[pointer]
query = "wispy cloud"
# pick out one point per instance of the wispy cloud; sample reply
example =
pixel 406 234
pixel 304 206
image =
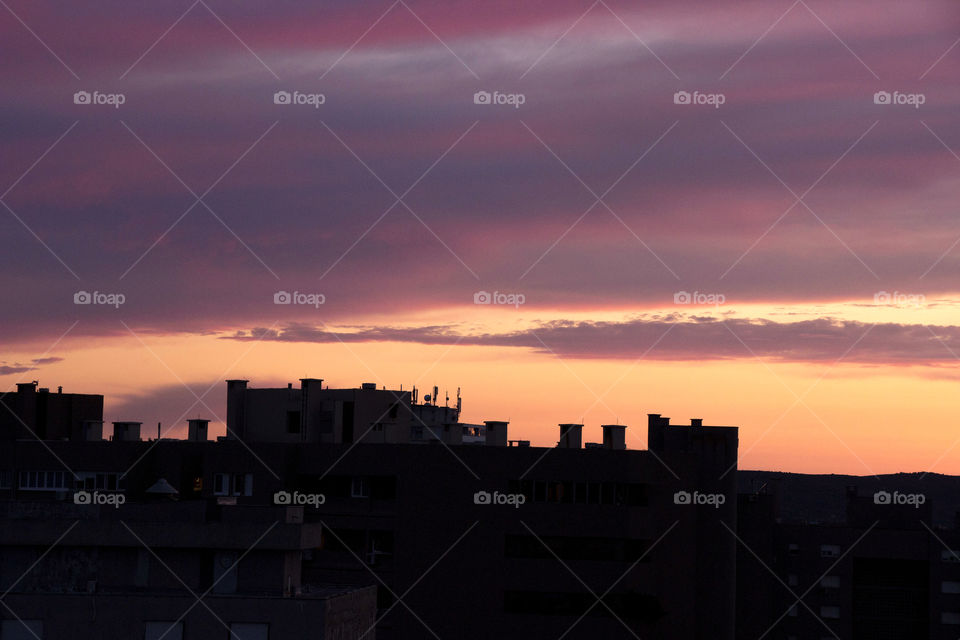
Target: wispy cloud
pixel 690 338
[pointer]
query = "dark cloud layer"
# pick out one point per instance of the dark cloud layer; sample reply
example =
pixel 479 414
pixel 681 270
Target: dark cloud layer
pixel 497 200
pixel 678 338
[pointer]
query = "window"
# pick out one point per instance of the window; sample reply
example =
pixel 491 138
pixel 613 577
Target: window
pixel 358 488
pixel 166 629
pixel 829 550
pixel 21 629
pixel 106 481
pixel 249 631
pixel 793 549
pixel 4 478
pixel 830 582
pixel 792 611
pixel 97 481
pixel 946 555
pixel 225 572
pixel 293 422
pixel 830 613
pixel 950 617
pixel 792 580
pixel 43 480
pixel 236 484
pixel 948 586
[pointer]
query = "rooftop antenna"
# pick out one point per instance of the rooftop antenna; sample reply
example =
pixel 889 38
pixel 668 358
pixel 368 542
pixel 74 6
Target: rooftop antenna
pixel 458 400
pixel 447 403
pixel 435 395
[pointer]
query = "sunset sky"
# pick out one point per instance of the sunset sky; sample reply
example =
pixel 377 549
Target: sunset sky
pixel 783 256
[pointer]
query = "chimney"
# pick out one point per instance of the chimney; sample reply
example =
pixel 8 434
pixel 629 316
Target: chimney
pixel 126 431
pixel 496 433
pixel 59 389
pixel 614 436
pixel 368 386
pixel 571 436
pixel 656 427
pixel 236 391
pixel 696 422
pixel 91 430
pixel 197 430
pixel 26 387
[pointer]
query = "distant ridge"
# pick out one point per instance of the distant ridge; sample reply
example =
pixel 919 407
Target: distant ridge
pixel 822 497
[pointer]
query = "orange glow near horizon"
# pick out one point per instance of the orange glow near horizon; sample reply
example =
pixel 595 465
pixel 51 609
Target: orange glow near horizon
pixel 855 420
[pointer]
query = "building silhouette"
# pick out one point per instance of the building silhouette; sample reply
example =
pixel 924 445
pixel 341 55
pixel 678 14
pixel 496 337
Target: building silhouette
pixel 423 525
pixel 882 569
